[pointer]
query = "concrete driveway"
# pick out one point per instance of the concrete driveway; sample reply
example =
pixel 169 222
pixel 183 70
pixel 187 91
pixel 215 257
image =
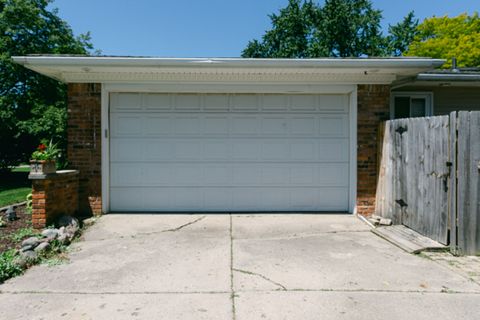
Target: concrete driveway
pixel 238 267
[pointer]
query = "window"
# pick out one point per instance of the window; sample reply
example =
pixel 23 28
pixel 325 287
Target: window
pixel 411 105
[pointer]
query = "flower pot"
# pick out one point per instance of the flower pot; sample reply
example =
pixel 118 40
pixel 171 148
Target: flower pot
pixel 42 166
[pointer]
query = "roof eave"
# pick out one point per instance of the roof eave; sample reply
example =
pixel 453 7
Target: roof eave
pixel 127 69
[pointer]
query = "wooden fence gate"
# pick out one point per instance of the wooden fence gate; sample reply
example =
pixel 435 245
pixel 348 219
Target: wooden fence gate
pixel 429 177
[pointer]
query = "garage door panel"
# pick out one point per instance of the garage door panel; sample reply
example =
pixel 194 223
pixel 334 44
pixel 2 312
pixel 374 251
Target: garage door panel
pixel 245 150
pixel 275 150
pixel 126 125
pixel 333 150
pixel 275 175
pixel 274 126
pixel 333 126
pixel 303 126
pixel 335 199
pixel 216 150
pixel 275 102
pixel 243 102
pixel 244 125
pixel 229 152
pixel 333 174
pixel 187 102
pixel 157 150
pixel 333 103
pixel 216 125
pixel 126 150
pixel 157 126
pixel 187 125
pixel 126 101
pixel 217 102
pixel 158 102
pixel 303 102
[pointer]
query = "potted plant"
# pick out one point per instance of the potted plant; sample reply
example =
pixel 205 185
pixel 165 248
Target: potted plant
pixel 43 159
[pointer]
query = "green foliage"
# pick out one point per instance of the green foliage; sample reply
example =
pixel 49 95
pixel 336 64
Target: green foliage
pixel 348 28
pixel 28 206
pixel 339 28
pixel 293 26
pixel 46 151
pixel 32 107
pixel 8 267
pixel 14 195
pixel 445 37
pixel 2 222
pixel 402 35
pixel 23 233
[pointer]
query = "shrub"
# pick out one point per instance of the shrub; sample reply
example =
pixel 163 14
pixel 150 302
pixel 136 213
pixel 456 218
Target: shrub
pixel 8 268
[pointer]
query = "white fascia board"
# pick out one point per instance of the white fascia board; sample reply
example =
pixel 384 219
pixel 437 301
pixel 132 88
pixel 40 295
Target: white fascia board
pixel 128 69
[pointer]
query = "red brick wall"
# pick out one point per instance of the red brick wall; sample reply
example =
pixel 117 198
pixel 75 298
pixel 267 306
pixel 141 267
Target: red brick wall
pixel 84 143
pixel 373 108
pixel 52 196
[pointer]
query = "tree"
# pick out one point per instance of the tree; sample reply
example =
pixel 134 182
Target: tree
pixel 347 28
pixel 293 27
pixel 32 107
pixel 445 37
pixel 401 35
pixel 339 28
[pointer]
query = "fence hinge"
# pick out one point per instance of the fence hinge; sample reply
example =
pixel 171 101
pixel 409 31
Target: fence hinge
pixel 106 133
pixel 401 203
pixel 401 130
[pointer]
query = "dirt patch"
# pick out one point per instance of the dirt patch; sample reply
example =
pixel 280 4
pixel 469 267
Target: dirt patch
pixel 24 220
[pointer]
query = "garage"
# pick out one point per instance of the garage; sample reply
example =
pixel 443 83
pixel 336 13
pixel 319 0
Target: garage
pixel 150 134
pixel 229 152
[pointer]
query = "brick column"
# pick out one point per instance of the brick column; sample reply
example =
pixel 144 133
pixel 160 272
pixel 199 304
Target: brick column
pixel 373 108
pixel 53 195
pixel 84 152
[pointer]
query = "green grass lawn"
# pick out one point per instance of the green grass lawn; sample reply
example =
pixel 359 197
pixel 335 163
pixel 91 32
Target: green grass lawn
pixel 14 186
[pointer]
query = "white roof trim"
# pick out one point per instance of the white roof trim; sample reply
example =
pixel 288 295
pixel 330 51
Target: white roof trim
pixel 134 69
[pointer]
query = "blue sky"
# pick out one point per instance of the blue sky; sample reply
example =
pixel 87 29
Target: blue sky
pixel 204 28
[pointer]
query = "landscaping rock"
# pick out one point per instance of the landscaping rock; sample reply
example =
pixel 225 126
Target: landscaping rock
pixel 64 221
pixel 63 239
pixel 89 221
pixel 27 248
pixel 42 247
pixel 21 261
pixel 50 233
pixel 29 255
pixel 32 241
pixel 71 231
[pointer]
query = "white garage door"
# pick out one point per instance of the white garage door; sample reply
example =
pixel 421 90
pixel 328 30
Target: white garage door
pixel 229 152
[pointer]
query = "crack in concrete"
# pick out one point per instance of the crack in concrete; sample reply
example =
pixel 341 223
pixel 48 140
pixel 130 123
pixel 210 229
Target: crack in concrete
pixel 302 236
pixel 172 229
pixel 441 292
pixel 232 291
pixel 185 225
pixel 113 292
pixel 283 288
pixel 116 236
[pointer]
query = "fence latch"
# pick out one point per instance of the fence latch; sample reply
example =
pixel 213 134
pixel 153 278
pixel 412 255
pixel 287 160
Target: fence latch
pixel 446 176
pixel 401 130
pixel 401 203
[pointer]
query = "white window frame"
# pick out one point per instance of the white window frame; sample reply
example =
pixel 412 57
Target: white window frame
pixel 428 96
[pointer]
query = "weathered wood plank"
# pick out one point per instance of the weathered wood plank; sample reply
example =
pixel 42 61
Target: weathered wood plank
pixel 452 188
pixel 468 215
pixel 413 169
pixel 425 153
pixel 407 239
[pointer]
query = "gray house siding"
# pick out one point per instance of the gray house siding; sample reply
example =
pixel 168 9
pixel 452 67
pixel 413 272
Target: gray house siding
pixel 447 99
